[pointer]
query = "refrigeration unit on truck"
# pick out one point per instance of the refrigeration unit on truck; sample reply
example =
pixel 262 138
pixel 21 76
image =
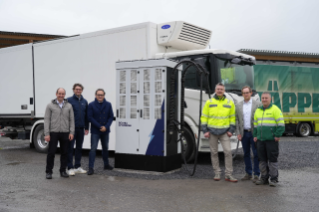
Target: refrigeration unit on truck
pixel 30 74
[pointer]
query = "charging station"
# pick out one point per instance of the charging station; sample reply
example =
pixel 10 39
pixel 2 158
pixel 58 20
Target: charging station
pixel 143 141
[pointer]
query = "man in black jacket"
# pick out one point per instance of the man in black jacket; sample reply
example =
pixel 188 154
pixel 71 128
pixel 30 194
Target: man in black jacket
pixel 80 107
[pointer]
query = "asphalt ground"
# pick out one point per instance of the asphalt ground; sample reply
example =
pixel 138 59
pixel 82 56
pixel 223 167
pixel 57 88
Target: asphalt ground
pixel 23 186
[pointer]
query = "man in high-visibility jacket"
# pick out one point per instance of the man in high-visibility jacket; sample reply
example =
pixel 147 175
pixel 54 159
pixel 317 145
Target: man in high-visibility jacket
pixel 219 122
pixel 269 125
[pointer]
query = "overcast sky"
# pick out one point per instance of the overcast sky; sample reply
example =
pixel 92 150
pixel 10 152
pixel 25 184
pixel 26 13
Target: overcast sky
pixel 289 25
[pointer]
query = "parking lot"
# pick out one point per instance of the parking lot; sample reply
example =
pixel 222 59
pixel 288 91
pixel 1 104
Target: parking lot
pixel 23 186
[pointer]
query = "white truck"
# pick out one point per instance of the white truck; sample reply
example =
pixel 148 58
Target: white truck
pixel 31 73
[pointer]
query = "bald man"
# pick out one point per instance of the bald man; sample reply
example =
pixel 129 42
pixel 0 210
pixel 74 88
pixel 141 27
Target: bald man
pixel 58 126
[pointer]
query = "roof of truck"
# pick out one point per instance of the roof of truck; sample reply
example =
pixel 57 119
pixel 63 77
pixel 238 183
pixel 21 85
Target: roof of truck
pixel 275 55
pixel 205 51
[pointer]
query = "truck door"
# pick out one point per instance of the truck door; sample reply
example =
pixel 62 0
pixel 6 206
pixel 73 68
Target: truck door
pixel 16 82
pixel 127 111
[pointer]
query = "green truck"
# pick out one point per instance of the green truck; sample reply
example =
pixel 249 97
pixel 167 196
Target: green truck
pixel 295 90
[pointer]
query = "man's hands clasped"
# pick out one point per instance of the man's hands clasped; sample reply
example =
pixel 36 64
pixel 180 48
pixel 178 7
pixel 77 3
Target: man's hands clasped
pixel 207 134
pixel 103 129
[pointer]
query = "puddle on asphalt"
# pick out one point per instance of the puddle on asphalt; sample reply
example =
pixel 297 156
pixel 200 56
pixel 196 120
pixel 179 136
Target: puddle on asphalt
pixel 14 163
pixel 110 178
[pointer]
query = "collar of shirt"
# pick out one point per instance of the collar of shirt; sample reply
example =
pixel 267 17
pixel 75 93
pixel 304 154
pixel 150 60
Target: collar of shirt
pixel 60 104
pixel 249 102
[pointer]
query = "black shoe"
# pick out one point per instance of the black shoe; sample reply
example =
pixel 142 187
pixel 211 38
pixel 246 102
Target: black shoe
pixel 91 171
pixel 64 174
pixel 49 176
pixel 108 167
pixel 262 181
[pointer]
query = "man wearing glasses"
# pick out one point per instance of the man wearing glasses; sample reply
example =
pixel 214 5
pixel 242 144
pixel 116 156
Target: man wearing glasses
pixel 100 114
pixel 245 111
pixel 80 107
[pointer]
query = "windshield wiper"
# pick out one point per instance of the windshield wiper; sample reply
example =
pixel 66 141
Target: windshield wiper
pixel 231 90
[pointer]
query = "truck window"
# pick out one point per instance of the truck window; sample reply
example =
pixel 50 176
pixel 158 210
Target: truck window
pixel 234 76
pixel 192 78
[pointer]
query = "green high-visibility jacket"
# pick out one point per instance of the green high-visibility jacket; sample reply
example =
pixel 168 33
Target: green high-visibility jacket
pixel 268 123
pixel 218 116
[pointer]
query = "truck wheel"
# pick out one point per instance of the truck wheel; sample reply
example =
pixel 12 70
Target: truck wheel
pixel 189 146
pixel 38 140
pixel 304 130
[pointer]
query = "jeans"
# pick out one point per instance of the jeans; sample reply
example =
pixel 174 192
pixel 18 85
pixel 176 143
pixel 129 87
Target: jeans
pixel 63 138
pixel 247 143
pixel 78 140
pixel 105 148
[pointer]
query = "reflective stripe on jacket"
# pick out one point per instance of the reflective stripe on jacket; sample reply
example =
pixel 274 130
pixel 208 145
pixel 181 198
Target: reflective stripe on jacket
pixel 268 123
pixel 218 116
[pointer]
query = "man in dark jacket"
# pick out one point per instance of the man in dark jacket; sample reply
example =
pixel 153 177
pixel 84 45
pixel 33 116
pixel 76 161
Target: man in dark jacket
pixel 100 114
pixel 80 107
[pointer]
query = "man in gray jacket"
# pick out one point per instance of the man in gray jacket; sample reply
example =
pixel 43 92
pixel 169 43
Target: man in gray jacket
pixel 58 126
pixel 245 111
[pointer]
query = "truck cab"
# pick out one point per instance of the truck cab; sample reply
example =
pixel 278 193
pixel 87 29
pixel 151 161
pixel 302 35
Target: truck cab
pixel 233 69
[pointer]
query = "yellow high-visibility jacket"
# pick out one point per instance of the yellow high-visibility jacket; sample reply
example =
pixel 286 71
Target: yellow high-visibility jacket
pixel 218 116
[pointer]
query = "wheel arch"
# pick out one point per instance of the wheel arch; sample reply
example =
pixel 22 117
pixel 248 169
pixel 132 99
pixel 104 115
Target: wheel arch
pixel 37 123
pixel 190 124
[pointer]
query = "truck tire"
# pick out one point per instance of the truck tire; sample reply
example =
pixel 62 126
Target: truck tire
pixel 189 145
pixel 38 139
pixel 304 129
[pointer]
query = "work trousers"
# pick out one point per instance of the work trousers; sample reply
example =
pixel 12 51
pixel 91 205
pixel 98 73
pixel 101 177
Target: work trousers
pixel 63 138
pixel 78 140
pixel 225 142
pixel 268 152
pixel 105 148
pixel 248 143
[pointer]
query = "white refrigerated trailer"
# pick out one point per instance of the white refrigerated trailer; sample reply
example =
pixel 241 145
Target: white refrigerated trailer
pixel 31 73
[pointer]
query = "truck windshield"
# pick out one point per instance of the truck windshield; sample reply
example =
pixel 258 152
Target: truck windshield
pixel 234 76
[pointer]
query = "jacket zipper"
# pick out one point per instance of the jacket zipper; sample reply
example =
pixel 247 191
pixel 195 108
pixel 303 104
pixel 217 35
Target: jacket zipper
pixel 261 128
pixel 60 116
pixel 80 110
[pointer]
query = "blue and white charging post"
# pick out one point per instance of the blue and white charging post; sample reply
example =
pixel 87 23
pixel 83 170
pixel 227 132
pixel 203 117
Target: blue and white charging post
pixel 143 141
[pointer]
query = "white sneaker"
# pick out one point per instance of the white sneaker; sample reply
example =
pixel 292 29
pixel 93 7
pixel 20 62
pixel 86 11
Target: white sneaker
pixel 79 170
pixel 71 172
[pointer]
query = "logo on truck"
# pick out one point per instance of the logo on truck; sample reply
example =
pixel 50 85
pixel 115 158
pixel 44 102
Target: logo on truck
pixel 294 89
pixel 124 124
pixel 287 101
pixel 166 26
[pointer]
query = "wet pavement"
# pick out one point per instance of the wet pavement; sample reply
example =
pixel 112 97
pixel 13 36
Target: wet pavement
pixel 23 186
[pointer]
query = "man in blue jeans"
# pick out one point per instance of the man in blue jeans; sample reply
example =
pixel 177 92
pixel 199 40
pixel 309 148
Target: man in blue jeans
pixel 100 114
pixel 80 107
pixel 245 111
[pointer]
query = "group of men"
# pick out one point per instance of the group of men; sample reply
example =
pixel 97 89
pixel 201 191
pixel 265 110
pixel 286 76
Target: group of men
pixel 258 126
pixel 67 121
